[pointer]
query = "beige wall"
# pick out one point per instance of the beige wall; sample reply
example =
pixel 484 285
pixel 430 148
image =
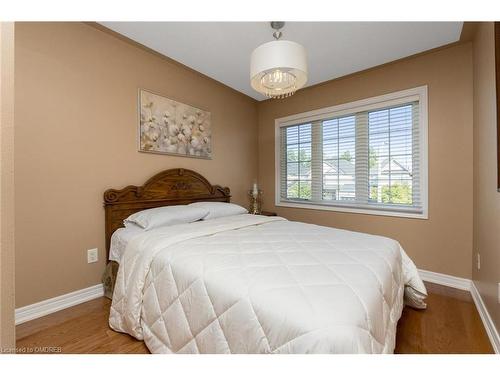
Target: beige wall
pixel 443 243
pixel 7 329
pixel 76 102
pixel 486 196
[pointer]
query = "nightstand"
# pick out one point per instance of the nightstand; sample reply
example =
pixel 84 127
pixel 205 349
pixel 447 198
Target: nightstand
pixel 268 213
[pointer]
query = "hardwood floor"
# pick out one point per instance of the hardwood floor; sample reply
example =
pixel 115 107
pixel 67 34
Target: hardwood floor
pixel 80 329
pixel 451 324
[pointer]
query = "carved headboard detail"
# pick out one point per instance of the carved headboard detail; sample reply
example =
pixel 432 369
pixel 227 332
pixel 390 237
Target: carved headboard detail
pixel 167 188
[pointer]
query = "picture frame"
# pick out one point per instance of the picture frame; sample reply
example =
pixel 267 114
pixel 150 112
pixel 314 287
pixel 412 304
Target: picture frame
pixel 169 127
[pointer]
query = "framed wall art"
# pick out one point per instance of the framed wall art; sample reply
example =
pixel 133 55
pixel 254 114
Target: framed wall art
pixel 173 128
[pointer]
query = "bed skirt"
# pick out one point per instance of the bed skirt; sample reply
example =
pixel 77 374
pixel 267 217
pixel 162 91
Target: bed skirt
pixel 109 278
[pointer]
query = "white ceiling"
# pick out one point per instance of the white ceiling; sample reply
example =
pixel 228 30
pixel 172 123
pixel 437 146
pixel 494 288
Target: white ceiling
pixel 221 50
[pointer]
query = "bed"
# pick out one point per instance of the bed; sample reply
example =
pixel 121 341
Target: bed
pixel 250 283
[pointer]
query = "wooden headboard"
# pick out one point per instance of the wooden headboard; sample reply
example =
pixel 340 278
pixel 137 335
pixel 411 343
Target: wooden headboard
pixel 167 188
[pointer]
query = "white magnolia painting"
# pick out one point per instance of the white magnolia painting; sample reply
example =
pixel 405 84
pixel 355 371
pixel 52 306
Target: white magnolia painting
pixel 170 127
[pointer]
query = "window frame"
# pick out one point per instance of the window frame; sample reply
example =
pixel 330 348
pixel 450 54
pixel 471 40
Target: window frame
pixel 378 102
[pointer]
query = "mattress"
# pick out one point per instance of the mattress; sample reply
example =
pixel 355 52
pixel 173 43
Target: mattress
pixel 254 284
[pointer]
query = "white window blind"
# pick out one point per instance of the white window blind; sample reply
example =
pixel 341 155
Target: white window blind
pixel 368 156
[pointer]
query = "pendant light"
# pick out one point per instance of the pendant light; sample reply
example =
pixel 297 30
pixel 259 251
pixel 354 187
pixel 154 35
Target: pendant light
pixel 278 68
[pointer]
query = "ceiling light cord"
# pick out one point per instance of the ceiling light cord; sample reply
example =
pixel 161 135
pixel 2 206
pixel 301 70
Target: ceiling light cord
pixel 277 25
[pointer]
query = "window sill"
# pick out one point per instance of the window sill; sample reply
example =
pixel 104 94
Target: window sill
pixel 354 210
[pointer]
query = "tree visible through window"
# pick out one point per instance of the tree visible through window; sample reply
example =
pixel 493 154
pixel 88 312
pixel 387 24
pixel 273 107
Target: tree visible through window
pixel 391 160
pixel 339 162
pixel 367 158
pixel 298 143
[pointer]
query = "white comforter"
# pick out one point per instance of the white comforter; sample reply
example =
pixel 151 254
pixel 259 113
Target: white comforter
pixel 254 284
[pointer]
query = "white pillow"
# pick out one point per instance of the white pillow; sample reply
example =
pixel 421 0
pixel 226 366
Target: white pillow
pixel 164 216
pixel 219 209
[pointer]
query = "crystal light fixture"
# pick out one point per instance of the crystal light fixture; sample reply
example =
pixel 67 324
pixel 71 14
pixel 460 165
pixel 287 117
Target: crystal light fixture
pixel 278 68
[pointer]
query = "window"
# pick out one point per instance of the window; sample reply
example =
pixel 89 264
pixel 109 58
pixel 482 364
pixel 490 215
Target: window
pixel 369 156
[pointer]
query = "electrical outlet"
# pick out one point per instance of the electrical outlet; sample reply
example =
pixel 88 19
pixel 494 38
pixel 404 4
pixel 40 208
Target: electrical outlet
pixel 478 258
pixel 92 256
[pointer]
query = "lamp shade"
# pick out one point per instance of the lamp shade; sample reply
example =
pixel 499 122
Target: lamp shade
pixel 278 68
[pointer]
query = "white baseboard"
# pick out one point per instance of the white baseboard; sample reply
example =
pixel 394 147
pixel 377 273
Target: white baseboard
pixel 446 280
pixel 486 318
pixel 49 306
pixel 466 284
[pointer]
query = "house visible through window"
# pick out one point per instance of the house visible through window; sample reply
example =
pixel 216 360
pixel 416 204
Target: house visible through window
pixel 368 156
pixel 339 159
pixel 390 155
pixel 298 144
